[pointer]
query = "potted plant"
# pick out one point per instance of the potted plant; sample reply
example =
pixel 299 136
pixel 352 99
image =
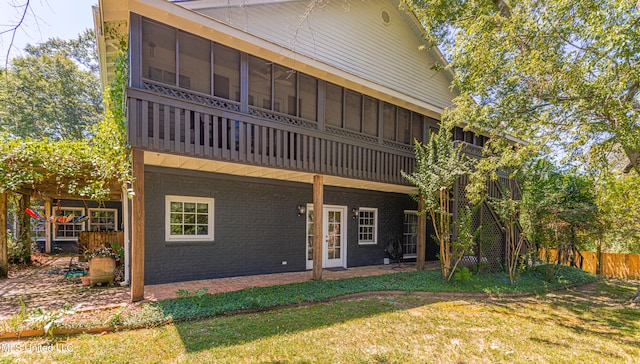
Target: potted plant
pixel 102 264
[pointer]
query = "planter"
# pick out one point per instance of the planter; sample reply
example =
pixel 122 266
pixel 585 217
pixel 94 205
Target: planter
pixel 102 270
pixel 86 281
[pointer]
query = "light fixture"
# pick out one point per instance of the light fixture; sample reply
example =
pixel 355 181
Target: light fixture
pixel 355 213
pixel 301 210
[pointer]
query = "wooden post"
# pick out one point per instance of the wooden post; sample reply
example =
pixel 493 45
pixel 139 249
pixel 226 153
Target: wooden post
pixel 421 249
pixel 318 235
pixel 4 256
pixel 47 226
pixel 24 222
pixel 137 231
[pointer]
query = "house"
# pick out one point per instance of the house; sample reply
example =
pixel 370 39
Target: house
pixel 269 135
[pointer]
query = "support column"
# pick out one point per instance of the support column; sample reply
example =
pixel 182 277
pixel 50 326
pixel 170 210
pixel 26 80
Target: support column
pixel 421 250
pixel 137 231
pixel 47 226
pixel 4 256
pixel 318 236
pixel 24 227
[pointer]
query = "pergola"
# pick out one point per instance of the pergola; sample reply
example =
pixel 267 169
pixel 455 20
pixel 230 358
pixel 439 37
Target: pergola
pixel 47 190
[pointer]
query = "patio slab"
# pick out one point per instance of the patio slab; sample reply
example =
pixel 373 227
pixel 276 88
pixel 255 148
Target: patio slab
pixel 45 286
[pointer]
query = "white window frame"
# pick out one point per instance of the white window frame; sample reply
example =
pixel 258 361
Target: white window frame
pixel 189 238
pixel 375 226
pixel 77 212
pixel 91 223
pixel 405 234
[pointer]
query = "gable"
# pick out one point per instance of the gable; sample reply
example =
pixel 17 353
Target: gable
pixel 372 40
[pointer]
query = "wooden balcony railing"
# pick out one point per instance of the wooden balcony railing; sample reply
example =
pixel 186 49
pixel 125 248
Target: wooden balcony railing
pixel 171 125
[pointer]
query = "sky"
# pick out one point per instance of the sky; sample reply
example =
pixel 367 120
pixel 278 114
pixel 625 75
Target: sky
pixel 46 19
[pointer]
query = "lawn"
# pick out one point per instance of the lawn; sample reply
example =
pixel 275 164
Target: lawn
pixel 589 323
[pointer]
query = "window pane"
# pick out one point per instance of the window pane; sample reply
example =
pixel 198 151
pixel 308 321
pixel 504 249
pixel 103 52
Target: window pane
pixel 203 208
pixel 389 120
pixel 353 110
pixel 195 63
pixel 189 207
pixel 176 207
pixel 176 218
pixel 176 229
pixel 370 116
pixel 259 82
pixel 203 219
pixel 189 218
pixel 189 230
pixel 416 127
pixel 158 52
pixel 308 97
pixel 404 125
pixel 285 91
pixel 333 105
pixel 226 72
pixel 203 230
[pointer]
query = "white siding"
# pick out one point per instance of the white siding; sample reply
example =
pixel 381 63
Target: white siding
pixel 352 37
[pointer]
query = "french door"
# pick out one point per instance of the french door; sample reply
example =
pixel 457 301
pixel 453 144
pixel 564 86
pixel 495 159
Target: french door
pixel 334 242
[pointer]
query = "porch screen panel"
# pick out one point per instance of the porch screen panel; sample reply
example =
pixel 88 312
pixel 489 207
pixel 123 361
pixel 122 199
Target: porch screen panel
pixel 389 121
pixel 353 110
pixel 259 82
pixel 285 91
pixel 195 63
pixel 416 127
pixel 158 52
pixel 404 126
pixel 308 97
pixel 226 72
pixel 333 105
pixel 370 118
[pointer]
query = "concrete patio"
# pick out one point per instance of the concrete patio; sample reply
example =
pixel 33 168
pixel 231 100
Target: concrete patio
pixel 45 285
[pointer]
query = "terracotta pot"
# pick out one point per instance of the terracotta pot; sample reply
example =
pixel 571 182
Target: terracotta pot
pixel 86 281
pixel 102 270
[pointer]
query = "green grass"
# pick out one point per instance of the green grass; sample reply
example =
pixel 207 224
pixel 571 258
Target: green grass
pixel 206 305
pixel 532 281
pixel 585 324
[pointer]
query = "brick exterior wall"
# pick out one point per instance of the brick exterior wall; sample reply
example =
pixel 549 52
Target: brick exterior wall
pixel 256 225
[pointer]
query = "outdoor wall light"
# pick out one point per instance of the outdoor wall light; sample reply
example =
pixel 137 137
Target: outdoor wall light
pixel 301 210
pixel 355 213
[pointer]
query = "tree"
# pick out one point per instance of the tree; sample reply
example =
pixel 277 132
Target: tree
pixel 81 49
pixel 438 165
pixel 559 72
pixel 48 96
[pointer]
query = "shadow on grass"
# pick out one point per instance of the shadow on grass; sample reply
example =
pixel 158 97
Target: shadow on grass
pixel 242 329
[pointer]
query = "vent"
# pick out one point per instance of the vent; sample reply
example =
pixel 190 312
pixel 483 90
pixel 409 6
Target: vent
pixel 385 17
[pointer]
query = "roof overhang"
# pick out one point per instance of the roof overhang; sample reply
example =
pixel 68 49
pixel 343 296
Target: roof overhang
pixel 244 170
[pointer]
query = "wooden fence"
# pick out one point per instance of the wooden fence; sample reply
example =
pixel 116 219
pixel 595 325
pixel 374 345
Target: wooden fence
pixel 611 264
pixel 90 239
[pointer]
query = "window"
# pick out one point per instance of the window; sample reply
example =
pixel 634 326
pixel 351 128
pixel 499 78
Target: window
pixel 410 235
pixel 103 220
pixel 188 218
pixel 367 225
pixel 71 225
pixel 389 121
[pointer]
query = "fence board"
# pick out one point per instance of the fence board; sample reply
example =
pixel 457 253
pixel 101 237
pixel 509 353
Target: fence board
pixel 91 239
pixel 615 265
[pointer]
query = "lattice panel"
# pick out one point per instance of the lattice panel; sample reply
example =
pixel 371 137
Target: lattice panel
pixel 492 243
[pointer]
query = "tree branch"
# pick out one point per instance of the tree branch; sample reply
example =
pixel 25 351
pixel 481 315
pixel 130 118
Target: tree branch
pixel 505 10
pixel 14 30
